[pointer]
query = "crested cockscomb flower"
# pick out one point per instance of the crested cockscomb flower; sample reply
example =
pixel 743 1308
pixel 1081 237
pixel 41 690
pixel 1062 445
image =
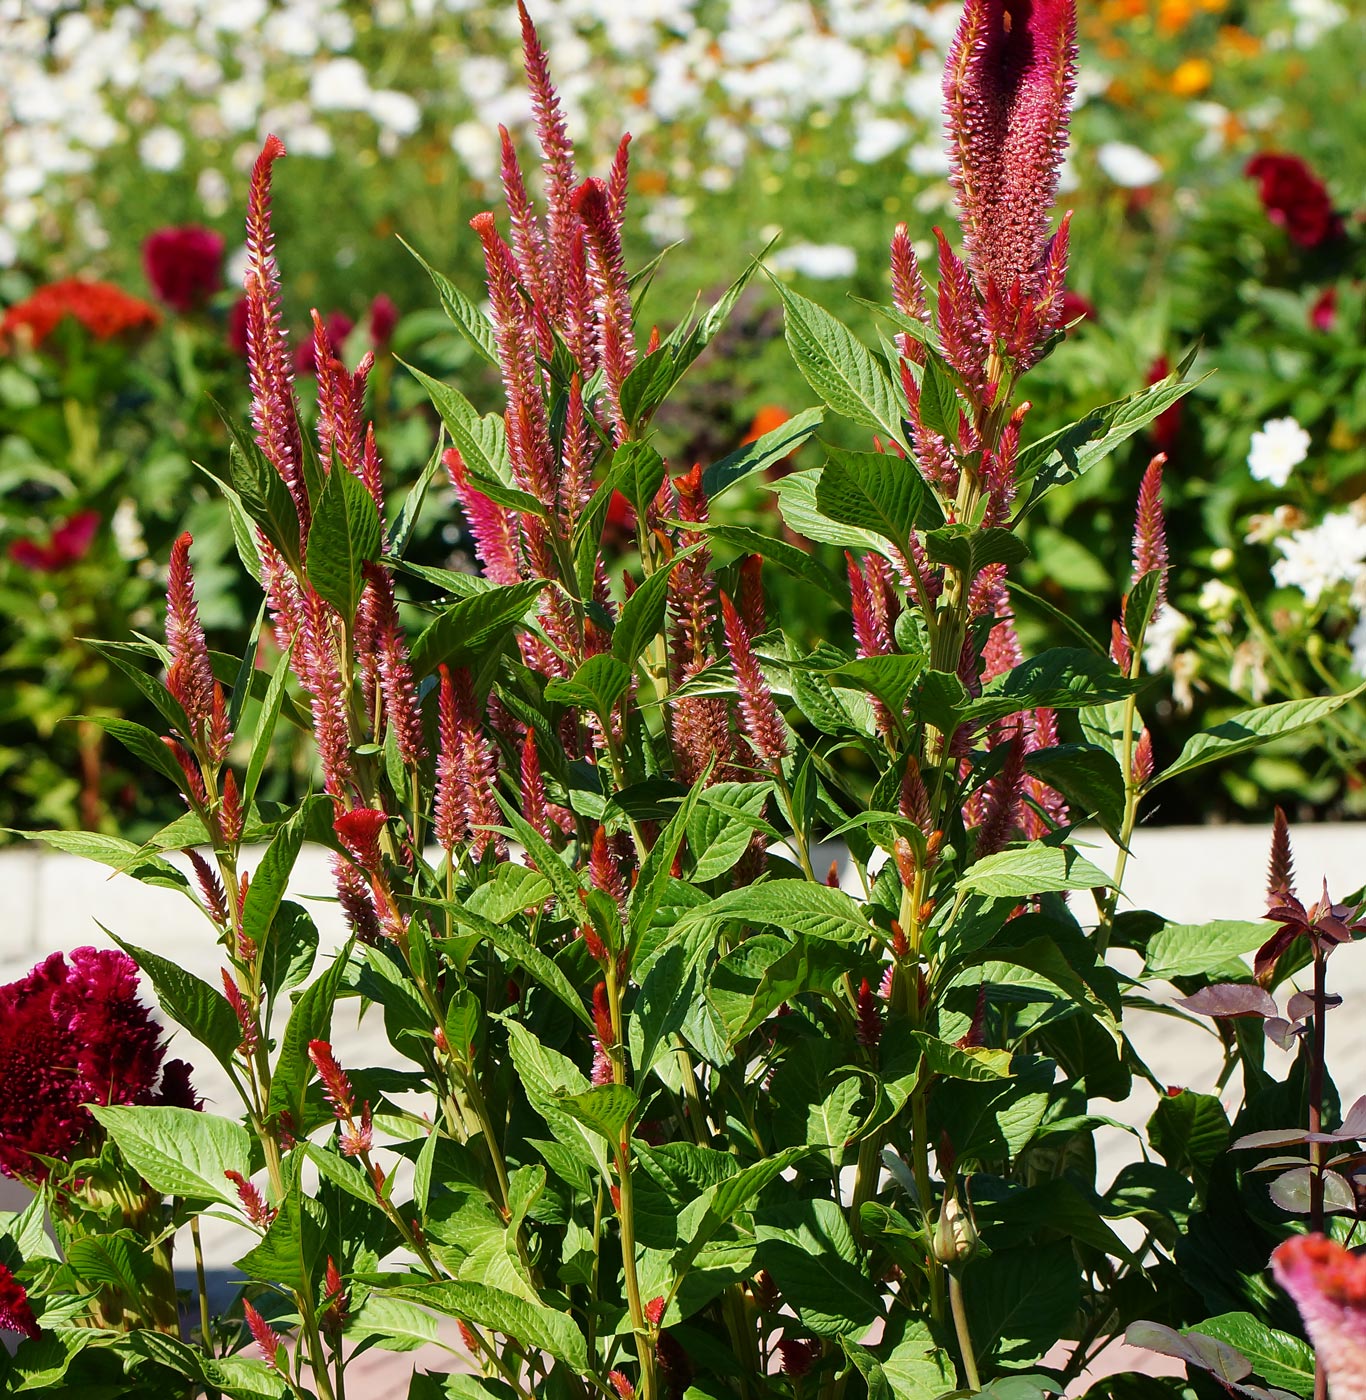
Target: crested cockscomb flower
pixel 1328 1284
pixel 184 265
pixel 869 1028
pixel 1295 198
pixel 268 1341
pixel 359 832
pixel 1150 531
pixel 1008 86
pixel 72 1034
pixel 763 724
pixel 66 545
pixel 1280 874
pixel 797 1355
pixel 16 1312
pixel 103 309
pixel 273 409
pixel 253 1202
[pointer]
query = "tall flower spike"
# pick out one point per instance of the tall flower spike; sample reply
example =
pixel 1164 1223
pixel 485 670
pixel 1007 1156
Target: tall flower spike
pixel 763 724
pixel 1150 531
pixel 528 242
pixel 395 672
pixel 535 806
pixel 449 825
pixel 1280 875
pixel 592 203
pixel 269 365
pixel 268 1341
pixel 1007 94
pixel 190 675
pixel 1328 1284
pixel 908 292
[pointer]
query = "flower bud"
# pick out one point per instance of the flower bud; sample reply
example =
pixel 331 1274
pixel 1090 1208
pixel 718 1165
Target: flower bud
pixel 955 1236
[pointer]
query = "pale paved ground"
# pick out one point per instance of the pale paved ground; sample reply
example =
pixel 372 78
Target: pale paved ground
pixel 51 902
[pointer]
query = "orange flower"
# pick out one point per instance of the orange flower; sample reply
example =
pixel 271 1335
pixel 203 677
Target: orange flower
pixel 1192 77
pixel 1239 41
pixel 103 309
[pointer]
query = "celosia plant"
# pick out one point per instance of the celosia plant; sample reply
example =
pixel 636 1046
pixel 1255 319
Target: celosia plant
pixel 699 1113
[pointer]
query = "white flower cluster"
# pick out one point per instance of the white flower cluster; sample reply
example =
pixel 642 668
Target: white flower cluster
pixel 169 80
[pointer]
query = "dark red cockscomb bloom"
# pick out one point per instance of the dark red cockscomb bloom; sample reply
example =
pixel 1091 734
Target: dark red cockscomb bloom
pixel 184 265
pixel 237 327
pixel 16 1312
pixel 70 1035
pixel 103 309
pixel 1295 199
pixel 1166 427
pixel 1323 315
pixel 1076 307
pixel 67 543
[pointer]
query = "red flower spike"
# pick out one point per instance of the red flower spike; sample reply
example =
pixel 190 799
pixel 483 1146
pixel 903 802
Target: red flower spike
pixel 395 670
pixel 751 593
pixel 194 791
pixel 67 545
pixel 615 1192
pixel 357 1138
pixel 1008 85
pixel 611 289
pixel 528 242
pixel 190 676
pixel 535 805
pixel 869 1030
pixel 336 1301
pixel 762 722
pixel 832 876
pixel 495 528
pixel 359 832
pixel 603 869
pixel 319 668
pixel 470 1340
pixel 1328 1284
pixel 1121 651
pixel 654 1311
pixel 251 1039
pixel 211 887
pixel 602 1015
pixel 596 950
pixel 797 1355
pixel 1150 533
pixel 16 1312
pixel 335 1083
pixel 382 318
pixel 623 1387
pixel 1323 315
pixel 908 292
pixel 268 1341
pixel 358 904
pixel 253 1202
pixel 1143 757
pixel 1280 875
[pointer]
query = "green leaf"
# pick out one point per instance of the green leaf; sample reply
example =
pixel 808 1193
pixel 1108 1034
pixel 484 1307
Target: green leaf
pixel 795 905
pixel 179 1152
pixel 1278 1358
pixel 1062 678
pixel 512 890
pixel 151 688
pixel 796 494
pixel 642 615
pixel 1250 728
pixel 661 1005
pixel 960 1062
pixel 813 1258
pixel 140 742
pixel 535 1326
pixel 290 1249
pixel 1064 455
pixel 607 1109
pixel 472 324
pixel 460 634
pixel 343 538
pixel 874 491
pixel 722 826
pixel 1033 869
pixel 260 489
pixel 113 851
pixel 1088 777
pixel 1190 1132
pixel 774 446
pixel 289 953
pixel 939 406
pixel 311 1019
pixel 1189 950
pixel 916 1369
pixel 403 525
pixel 970 550
pixel 655 870
pixel 265 728
pixel 597 686
pixel 237 1377
pixel 547 1078
pixel 843 371
pixel 115 1260
pixel 481 442
pixel 271 877
pixel 1020 1301
pixel 189 1002
pixel 785 555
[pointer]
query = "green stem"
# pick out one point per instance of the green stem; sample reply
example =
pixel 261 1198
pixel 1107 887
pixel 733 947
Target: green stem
pixel 960 1326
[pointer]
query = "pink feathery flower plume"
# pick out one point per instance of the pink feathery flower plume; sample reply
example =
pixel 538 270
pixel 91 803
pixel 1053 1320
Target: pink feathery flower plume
pixel 317 665
pixel 763 724
pixel 268 1341
pixel 190 675
pixel 273 409
pixel 1150 531
pixel 1008 87
pixel 395 672
pixel 593 204
pixel 528 241
pixel 466 772
pixel 1328 1284
pixel 1280 874
pixel 494 528
pixel 908 292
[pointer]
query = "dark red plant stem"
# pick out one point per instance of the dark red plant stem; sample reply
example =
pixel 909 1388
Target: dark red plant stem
pixel 1316 1064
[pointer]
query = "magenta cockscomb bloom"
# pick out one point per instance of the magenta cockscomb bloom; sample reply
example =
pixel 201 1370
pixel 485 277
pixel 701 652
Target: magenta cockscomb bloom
pixel 1007 94
pixel 1328 1284
pixel 1295 199
pixel 67 544
pixel 184 265
pixel 16 1312
pixel 73 1034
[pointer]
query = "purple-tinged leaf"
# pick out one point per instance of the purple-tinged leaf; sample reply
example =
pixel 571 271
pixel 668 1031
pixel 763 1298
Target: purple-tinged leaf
pixel 1354 1124
pixel 1195 1349
pixel 1276 1164
pixel 1230 999
pixel 1291 1192
pixel 1301 1005
pixel 1281 1032
pixel 1274 1137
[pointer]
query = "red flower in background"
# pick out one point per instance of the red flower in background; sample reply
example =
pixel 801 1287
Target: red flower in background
pixel 16 1312
pixel 1166 426
pixel 1323 315
pixel 184 265
pixel 103 309
pixel 383 319
pixel 70 1035
pixel 1295 199
pixel 68 543
pixel 1076 307
pixel 237 327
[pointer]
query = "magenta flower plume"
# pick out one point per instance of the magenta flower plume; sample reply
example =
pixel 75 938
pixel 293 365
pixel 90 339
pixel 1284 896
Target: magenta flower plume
pixel 268 1341
pixel 528 240
pixel 1280 874
pixel 70 1035
pixel 1295 199
pixel 869 1029
pixel 190 675
pixel 1007 93
pixel 273 409
pixel 1150 531
pixel 762 722
pixel 184 265
pixel 395 671
pixel 535 806
pixel 593 204
pixel 466 772
pixel 16 1312
pixel 908 291
pixel 1328 1284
